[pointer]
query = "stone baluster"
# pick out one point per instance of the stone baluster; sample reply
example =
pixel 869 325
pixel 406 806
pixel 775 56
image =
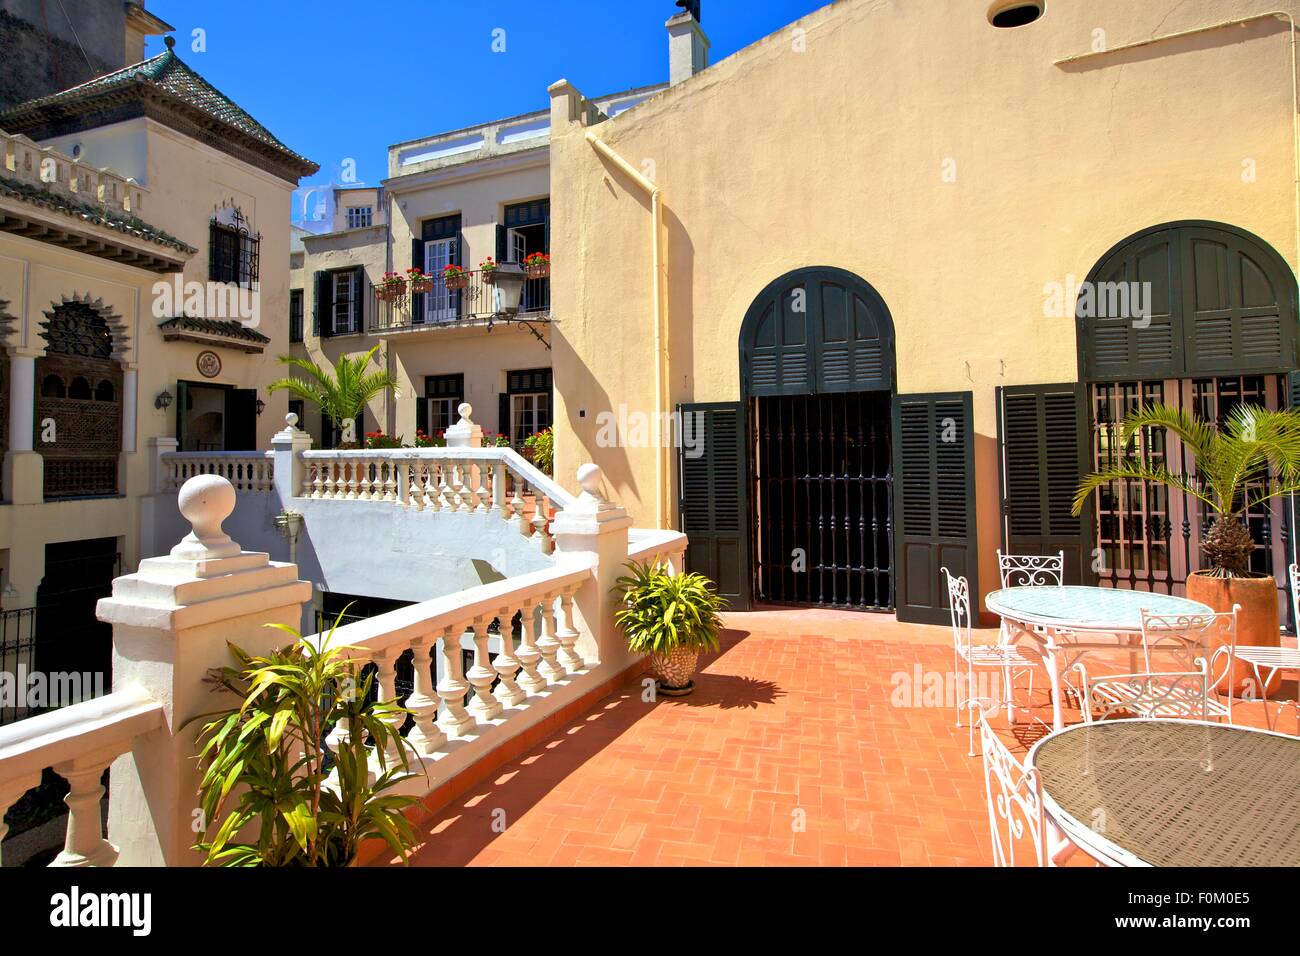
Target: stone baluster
pixel 85 844
pixel 456 489
pixel 455 720
pixel 387 467
pixel 507 664
pixel 482 496
pixel 446 496
pixel 426 737
pixel 327 466
pixel 484 706
pixel 386 666
pixel 366 489
pixel 528 655
pixel 468 497
pixel 315 486
pixel 547 644
pixel 540 522
pixel 567 635
pixel 516 515
pixel 430 490
pixel 499 489
pixel 353 466
pixel 415 494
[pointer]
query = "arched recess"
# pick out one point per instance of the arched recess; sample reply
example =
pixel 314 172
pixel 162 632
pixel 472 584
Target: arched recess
pixel 78 423
pixel 1202 316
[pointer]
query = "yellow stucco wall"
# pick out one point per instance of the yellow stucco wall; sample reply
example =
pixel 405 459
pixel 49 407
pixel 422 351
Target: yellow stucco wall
pixel 950 164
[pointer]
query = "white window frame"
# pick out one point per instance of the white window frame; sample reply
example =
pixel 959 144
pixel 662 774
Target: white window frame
pixel 519 403
pixel 440 304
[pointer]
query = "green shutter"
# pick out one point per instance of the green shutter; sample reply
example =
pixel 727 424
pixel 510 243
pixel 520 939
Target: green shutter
pixel 501 243
pixel 316 288
pixel 359 295
pixel 325 303
pixel 713 507
pixel 417 299
pixel 1043 437
pixel 934 502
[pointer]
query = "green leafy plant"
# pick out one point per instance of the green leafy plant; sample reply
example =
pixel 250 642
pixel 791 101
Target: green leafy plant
pixel 662 611
pixel 341 392
pixel 1253 458
pixel 542 447
pixel 264 761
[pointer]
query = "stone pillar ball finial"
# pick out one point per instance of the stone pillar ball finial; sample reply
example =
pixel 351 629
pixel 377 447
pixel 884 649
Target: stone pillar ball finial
pixel 465 409
pixel 589 477
pixel 206 501
pixel 291 420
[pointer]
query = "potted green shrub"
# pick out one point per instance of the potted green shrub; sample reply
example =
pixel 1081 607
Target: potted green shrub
pixel 1253 458
pixel 540 449
pixel 671 617
pixel 268 794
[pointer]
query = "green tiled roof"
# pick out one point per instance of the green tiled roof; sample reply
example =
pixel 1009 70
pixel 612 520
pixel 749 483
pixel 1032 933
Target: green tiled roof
pixel 89 212
pixel 227 328
pixel 167 75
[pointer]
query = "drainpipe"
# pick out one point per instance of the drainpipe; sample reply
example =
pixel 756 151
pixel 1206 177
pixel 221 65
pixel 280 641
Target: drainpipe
pixel 658 299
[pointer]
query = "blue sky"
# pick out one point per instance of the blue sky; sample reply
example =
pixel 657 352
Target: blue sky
pixel 340 80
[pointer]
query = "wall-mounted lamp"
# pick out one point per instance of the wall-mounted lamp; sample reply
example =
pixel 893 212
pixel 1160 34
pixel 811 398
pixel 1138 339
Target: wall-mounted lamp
pixel 163 400
pixel 260 406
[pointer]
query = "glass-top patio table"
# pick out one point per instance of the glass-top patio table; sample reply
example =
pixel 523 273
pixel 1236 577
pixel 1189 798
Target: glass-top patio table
pixel 1173 792
pixel 1073 620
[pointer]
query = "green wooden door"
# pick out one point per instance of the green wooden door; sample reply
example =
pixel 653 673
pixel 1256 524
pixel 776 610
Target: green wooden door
pixel 1043 437
pixel 934 502
pixel 714 506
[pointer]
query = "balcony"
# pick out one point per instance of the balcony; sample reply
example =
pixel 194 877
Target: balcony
pixel 441 307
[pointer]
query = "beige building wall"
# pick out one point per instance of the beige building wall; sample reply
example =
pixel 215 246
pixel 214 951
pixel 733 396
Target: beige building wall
pixel 956 167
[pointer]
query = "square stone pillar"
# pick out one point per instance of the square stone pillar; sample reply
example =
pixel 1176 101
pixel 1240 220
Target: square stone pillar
pixel 593 533
pixel 290 471
pixel 171 622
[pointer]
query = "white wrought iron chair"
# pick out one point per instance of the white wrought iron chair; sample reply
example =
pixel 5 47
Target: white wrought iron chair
pixel 1010 659
pixel 1268 662
pixel 1161 694
pixel 1015 804
pixel 1031 570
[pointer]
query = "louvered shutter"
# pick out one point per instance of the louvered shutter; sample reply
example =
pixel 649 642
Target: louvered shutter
pixel 360 293
pixel 501 243
pixel 1043 436
pixel 1116 344
pixel 316 300
pixel 325 303
pixel 417 262
pixel 713 509
pixel 1240 317
pixel 934 502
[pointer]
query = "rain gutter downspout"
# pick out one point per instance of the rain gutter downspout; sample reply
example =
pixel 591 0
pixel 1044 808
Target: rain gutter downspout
pixel 658 299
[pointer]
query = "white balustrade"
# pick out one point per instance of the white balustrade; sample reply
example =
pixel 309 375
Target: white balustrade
pixel 250 471
pixel 78 743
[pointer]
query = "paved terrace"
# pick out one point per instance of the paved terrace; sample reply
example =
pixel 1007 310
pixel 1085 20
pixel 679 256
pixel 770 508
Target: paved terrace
pixel 793 714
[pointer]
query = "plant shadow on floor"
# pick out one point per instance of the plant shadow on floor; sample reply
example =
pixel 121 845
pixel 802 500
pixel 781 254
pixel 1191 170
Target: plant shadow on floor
pixel 457 833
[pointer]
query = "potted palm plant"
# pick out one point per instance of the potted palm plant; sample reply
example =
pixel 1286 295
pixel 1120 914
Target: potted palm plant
pixel 671 617
pixel 276 791
pixel 341 392
pixel 1251 459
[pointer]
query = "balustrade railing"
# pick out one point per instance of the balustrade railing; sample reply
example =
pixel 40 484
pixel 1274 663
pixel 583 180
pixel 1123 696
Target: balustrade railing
pixel 470 702
pixel 246 470
pixel 490 480
pixel 78 743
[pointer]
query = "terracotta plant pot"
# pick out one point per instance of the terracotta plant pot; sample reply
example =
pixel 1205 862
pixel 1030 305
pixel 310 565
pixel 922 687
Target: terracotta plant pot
pixel 490 277
pixel 387 294
pixel 422 285
pixel 539 272
pixel 675 669
pixel 456 282
pixel 1257 624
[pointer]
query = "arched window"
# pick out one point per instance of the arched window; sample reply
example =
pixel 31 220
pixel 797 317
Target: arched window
pixel 52 387
pixel 234 250
pixel 104 391
pixel 75 328
pixel 79 389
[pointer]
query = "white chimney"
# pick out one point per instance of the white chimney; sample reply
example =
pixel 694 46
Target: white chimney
pixel 688 48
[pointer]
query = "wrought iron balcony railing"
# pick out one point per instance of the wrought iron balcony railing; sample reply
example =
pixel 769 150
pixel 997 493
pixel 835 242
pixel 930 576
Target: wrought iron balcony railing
pixel 476 301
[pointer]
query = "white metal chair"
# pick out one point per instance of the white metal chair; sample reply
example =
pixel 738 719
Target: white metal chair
pixel 1160 694
pixel 1015 804
pixel 1031 570
pixel 1267 662
pixel 1010 659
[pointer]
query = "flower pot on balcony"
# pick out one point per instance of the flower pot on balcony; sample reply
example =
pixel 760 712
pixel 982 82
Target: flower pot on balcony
pixel 453 283
pixel 1257 623
pixel 389 294
pixel 674 670
pixel 490 277
pixel 421 285
pixel 539 271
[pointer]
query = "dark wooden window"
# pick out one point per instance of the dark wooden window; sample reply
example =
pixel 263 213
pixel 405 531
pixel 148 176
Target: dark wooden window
pixel 527 407
pixel 234 250
pixel 295 315
pixel 437 411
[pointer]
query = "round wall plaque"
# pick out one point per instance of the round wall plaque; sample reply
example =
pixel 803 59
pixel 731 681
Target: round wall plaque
pixel 209 364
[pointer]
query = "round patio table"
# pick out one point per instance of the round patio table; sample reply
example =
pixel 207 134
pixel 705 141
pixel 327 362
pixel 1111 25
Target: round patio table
pixel 1173 792
pixel 1071 619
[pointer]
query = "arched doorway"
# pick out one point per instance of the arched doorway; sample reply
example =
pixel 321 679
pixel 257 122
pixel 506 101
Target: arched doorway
pixel 792 501
pixel 1215 326
pixel 78 426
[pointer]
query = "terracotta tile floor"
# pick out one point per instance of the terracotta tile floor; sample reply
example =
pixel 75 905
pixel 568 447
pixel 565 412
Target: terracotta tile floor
pixel 792 751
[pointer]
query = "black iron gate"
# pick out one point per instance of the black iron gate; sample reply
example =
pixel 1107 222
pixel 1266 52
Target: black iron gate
pixel 823 500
